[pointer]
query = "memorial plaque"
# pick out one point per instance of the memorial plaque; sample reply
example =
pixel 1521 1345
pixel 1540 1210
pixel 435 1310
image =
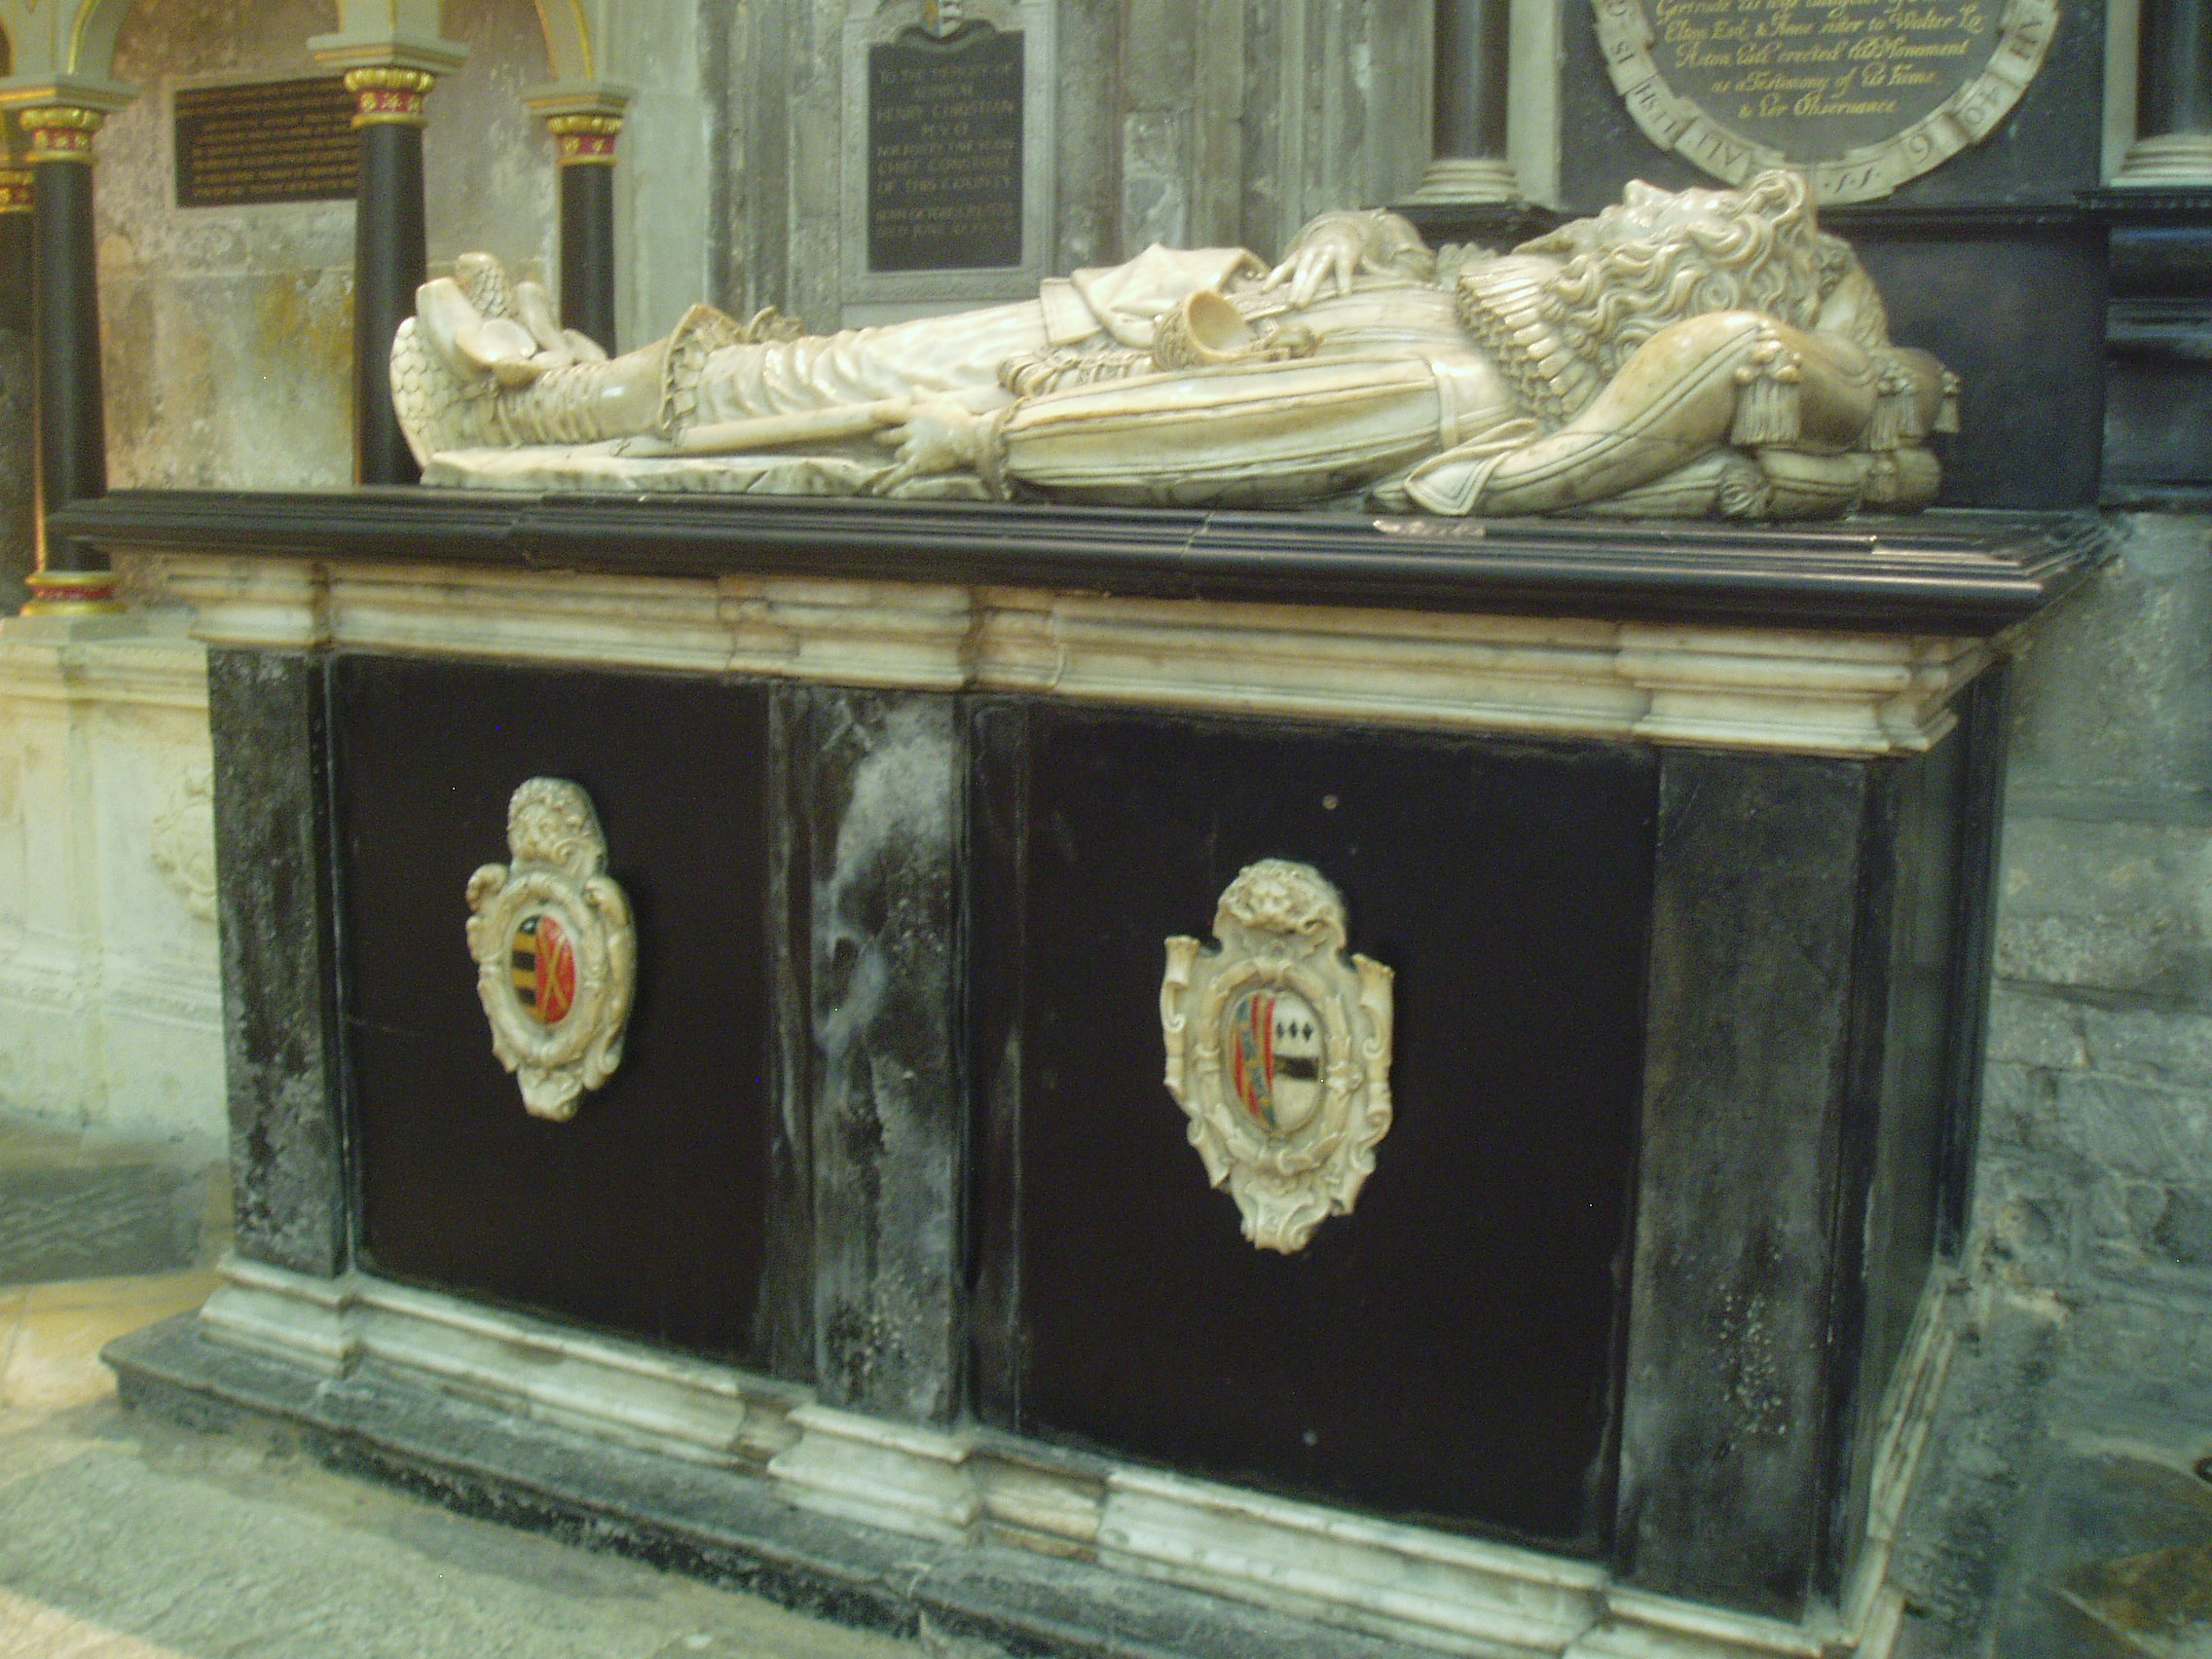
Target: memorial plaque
pixel 944 151
pixel 1860 94
pixel 242 146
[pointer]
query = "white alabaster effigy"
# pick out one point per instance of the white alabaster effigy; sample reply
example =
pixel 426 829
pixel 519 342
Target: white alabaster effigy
pixel 1711 352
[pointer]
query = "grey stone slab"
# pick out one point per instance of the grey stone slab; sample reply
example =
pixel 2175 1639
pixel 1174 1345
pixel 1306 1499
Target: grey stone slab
pixel 2133 1128
pixel 98 1223
pixel 713 1524
pixel 1730 1374
pixel 2031 1026
pixel 279 999
pixel 2112 691
pixel 875 779
pixel 2111 907
pixel 2147 1043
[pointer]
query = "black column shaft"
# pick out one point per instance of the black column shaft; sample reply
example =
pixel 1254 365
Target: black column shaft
pixel 587 253
pixel 389 266
pixel 18 259
pixel 72 419
pixel 2175 91
pixel 1473 73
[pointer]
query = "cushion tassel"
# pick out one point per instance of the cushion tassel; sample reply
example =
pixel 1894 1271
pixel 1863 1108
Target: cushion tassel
pixel 1769 397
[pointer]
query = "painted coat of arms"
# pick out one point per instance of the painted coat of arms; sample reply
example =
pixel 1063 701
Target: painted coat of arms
pixel 556 952
pixel 1278 1051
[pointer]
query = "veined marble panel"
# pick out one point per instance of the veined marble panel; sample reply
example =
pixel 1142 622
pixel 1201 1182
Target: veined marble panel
pixel 957 1488
pixel 1810 693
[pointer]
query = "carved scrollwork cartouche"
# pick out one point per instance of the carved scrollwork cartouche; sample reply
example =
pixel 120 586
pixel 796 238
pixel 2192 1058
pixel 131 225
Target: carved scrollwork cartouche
pixel 555 949
pixel 1973 110
pixel 1278 1051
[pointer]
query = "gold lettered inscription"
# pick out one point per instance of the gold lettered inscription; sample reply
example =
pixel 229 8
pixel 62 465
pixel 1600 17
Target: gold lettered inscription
pixel 242 146
pixel 1860 94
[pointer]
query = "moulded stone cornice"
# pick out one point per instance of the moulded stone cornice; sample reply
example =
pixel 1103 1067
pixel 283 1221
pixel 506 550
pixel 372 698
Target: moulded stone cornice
pixel 156 672
pixel 593 97
pixel 388 49
pixel 68 91
pixel 1793 690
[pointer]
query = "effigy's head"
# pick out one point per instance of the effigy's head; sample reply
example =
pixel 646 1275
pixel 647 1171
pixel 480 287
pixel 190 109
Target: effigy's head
pixel 1659 256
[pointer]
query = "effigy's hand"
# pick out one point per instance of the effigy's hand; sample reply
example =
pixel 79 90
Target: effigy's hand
pixel 1333 250
pixel 930 436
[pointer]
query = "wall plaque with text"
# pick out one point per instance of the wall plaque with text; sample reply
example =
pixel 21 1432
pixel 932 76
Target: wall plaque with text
pixel 944 151
pixel 1860 94
pixel 242 146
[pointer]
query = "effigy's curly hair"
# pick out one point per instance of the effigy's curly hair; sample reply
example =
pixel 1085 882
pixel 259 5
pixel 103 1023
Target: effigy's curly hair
pixel 1660 256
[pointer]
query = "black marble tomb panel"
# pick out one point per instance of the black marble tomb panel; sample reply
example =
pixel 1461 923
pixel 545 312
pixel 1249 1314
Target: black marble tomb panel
pixel 646 1214
pixel 2019 317
pixel 1448 1352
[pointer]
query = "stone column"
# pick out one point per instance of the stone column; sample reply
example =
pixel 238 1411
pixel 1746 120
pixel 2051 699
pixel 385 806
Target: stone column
pixel 1473 69
pixel 71 578
pixel 2174 110
pixel 390 77
pixel 585 118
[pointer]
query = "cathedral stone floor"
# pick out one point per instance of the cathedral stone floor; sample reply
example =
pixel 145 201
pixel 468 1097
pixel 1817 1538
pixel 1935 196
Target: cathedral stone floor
pixel 124 1537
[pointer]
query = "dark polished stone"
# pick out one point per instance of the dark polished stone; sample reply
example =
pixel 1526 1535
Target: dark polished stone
pixel 874 783
pixel 587 253
pixel 72 419
pixel 1795 1109
pixel 648 1212
pixel 2018 315
pixel 1966 572
pixel 1753 926
pixel 289 1180
pixel 944 150
pixel 1473 72
pixel 389 263
pixel 1446 1353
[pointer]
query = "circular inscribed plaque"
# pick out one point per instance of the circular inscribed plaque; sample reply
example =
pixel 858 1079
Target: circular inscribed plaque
pixel 1859 96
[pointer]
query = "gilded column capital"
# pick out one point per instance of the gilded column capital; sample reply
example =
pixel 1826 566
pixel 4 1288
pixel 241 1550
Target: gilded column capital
pixel 390 97
pixel 59 132
pixel 18 191
pixel 585 140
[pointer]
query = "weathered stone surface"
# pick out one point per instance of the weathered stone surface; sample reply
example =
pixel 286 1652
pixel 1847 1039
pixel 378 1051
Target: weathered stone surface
pixel 2111 693
pixel 876 780
pixel 2033 1028
pixel 2119 906
pixel 228 332
pixel 1756 889
pixel 2073 1415
pixel 271 832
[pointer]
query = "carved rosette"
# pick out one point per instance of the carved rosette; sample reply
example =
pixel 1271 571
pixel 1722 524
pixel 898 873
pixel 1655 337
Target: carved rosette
pixel 556 952
pixel 1279 1051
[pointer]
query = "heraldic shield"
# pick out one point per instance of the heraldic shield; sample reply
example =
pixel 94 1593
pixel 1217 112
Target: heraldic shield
pixel 1279 1051
pixel 556 953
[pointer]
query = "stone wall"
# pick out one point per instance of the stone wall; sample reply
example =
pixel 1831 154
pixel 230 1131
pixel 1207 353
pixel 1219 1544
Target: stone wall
pixel 2076 1412
pixel 228 332
pixel 1187 121
pixel 110 1003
